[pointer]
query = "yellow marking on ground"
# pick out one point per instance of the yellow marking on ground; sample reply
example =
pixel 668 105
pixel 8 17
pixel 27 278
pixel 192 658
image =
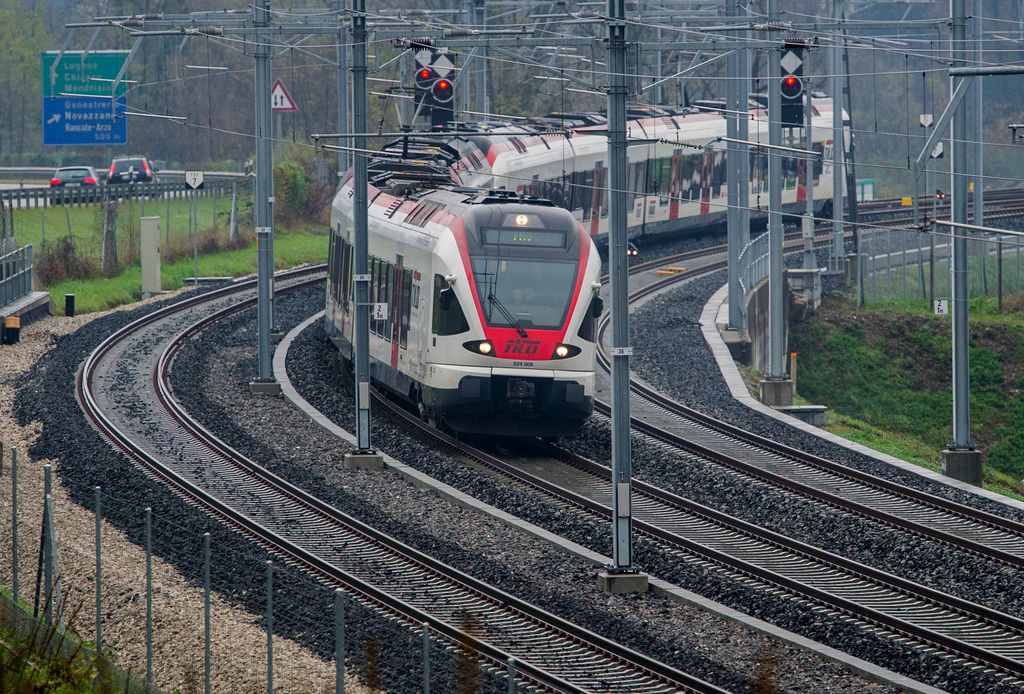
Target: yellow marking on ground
pixel 907 202
pixel 676 269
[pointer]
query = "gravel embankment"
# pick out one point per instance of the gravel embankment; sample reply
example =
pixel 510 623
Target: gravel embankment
pixel 39 415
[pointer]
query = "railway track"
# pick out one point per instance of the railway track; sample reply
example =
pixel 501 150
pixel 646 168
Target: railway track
pixel 872 598
pixel 114 386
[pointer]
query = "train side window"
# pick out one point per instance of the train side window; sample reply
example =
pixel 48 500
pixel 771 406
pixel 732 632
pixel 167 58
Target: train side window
pixel 346 272
pixel 406 307
pixel 332 276
pixel 448 318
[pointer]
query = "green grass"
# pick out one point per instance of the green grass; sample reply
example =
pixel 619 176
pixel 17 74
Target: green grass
pixel 884 372
pixel 86 222
pixel 290 249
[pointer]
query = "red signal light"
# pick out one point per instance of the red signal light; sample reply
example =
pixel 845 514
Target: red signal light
pixel 792 87
pixel 443 85
pixel 424 74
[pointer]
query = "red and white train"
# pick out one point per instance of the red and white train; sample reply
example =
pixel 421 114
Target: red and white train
pixel 490 296
pixel 491 304
pixel 677 169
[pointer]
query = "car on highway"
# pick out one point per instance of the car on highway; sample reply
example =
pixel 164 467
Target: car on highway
pixel 68 176
pixel 131 170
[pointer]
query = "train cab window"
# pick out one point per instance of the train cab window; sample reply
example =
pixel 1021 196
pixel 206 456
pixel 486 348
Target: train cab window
pixel 586 331
pixel 448 318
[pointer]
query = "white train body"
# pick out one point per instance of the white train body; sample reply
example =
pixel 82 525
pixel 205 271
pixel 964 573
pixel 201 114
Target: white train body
pixel 677 175
pixel 490 304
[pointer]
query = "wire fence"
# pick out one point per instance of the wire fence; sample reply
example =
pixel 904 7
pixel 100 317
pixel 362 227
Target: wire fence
pixel 112 582
pixel 913 267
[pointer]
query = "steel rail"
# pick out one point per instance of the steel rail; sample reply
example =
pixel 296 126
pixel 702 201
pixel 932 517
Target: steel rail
pixel 656 672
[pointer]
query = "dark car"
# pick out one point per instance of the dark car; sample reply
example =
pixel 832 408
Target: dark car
pixel 74 176
pixel 131 170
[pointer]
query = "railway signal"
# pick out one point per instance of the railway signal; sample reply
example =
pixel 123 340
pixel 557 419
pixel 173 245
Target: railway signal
pixel 791 84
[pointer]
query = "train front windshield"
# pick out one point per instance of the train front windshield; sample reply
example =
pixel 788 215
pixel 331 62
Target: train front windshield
pixel 524 292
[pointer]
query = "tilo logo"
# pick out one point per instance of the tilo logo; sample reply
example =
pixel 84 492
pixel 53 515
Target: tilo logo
pixel 521 346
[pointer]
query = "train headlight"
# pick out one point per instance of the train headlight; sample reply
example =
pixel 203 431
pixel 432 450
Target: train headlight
pixel 522 220
pixel 565 351
pixel 484 347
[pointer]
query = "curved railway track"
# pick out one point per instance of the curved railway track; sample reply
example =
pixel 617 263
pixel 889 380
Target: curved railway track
pixel 550 653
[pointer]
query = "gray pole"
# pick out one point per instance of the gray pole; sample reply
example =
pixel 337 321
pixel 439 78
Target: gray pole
pixel 14 525
pixel 743 90
pixel 99 572
pixel 359 212
pixel 776 367
pixel 149 599
pixel 733 155
pixel 658 97
pixel 978 130
pixel 810 260
pixel 480 78
pixel 264 185
pixel 343 100
pixel 960 275
pixel 270 627
pixel 264 268
pixel 622 556
pixel 839 165
pixel 510 676
pixel 339 641
pixel 207 660
pixel 426 658
pixel 47 548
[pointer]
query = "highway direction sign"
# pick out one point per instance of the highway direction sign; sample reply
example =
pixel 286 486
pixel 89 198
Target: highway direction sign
pixel 84 121
pixel 82 73
pixel 77 91
pixel 280 99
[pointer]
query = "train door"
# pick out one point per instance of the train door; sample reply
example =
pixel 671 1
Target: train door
pixel 598 193
pixel 707 171
pixel 675 185
pixel 397 279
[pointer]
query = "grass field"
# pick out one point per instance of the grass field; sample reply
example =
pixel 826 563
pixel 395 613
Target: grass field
pixel 884 372
pixel 290 249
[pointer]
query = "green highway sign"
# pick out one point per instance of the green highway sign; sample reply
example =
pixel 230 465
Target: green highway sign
pixel 81 73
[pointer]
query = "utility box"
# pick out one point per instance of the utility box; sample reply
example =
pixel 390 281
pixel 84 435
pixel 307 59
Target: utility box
pixel 149 236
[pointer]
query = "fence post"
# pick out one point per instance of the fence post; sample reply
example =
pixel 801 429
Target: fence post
pixel 99 573
pixel 207 674
pixel 270 627
pixel 339 641
pixel 14 524
pixel 149 599
pixel 167 233
pixel 426 658
pixel 234 212
pixel 511 676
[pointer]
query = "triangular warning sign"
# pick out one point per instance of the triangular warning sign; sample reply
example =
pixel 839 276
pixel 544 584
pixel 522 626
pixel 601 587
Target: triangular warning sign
pixel 280 99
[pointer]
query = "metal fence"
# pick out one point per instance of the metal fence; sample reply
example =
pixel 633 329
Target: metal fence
pixel 30 197
pixel 15 274
pixel 754 262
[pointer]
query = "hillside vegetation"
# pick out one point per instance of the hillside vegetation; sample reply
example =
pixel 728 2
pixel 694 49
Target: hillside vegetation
pixel 885 374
